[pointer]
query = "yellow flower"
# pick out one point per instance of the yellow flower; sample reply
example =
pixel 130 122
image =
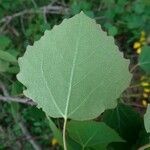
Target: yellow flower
pixel 138 51
pixel 147 90
pixel 137 45
pixel 145 84
pixel 145 95
pixel 144 103
pixel 54 142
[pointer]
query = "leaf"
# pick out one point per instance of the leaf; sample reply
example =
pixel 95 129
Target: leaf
pixel 72 145
pixel 132 21
pixel 100 147
pixel 112 30
pixel 139 7
pixel 147 119
pixel 13 70
pixel 143 139
pixel 90 133
pixel 7 57
pixel 125 121
pixel 3 66
pixel 4 42
pixel 33 112
pixel 144 59
pixel 16 88
pixel 74 71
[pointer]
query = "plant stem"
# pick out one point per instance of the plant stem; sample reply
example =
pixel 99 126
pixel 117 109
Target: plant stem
pixel 64 134
pixel 144 147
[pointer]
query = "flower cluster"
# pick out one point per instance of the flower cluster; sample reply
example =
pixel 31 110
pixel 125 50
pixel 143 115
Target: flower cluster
pixel 145 83
pixel 138 44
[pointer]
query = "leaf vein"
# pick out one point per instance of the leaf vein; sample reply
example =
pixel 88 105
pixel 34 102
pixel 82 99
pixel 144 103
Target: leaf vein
pixel 45 81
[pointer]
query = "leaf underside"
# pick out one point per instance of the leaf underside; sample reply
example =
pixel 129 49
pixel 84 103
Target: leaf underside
pixel 147 119
pixel 74 71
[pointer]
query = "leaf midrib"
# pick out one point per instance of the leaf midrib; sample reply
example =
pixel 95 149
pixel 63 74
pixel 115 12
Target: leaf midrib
pixel 72 70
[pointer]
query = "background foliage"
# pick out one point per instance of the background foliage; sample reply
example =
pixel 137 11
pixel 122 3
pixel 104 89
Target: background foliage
pixel 23 126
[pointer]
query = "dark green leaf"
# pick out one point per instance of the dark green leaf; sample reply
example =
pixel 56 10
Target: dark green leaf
pixel 125 121
pixel 7 57
pixel 90 133
pixel 144 59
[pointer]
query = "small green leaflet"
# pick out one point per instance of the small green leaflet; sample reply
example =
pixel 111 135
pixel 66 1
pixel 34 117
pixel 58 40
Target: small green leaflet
pixel 75 70
pixel 92 134
pixel 4 42
pixel 7 57
pixel 144 59
pixel 147 119
pixel 3 66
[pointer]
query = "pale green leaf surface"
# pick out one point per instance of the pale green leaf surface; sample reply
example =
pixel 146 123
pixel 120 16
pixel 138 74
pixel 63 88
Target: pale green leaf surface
pixel 90 133
pixel 144 59
pixel 75 70
pixel 147 119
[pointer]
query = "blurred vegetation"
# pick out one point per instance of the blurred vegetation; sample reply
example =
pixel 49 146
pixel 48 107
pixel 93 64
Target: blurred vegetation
pixel 22 22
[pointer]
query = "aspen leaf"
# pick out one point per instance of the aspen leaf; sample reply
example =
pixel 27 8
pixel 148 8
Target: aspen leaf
pixel 75 70
pixel 91 133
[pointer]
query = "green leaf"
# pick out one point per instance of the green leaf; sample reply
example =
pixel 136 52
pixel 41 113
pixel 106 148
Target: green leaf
pixel 4 42
pixel 125 121
pixel 72 145
pixel 3 66
pixel 13 70
pixel 16 88
pixel 147 119
pixel 75 70
pixel 139 7
pixel 132 21
pixel 7 57
pixel 90 133
pixel 144 59
pixel 33 112
pixel 143 139
pixel 112 30
pixel 100 147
